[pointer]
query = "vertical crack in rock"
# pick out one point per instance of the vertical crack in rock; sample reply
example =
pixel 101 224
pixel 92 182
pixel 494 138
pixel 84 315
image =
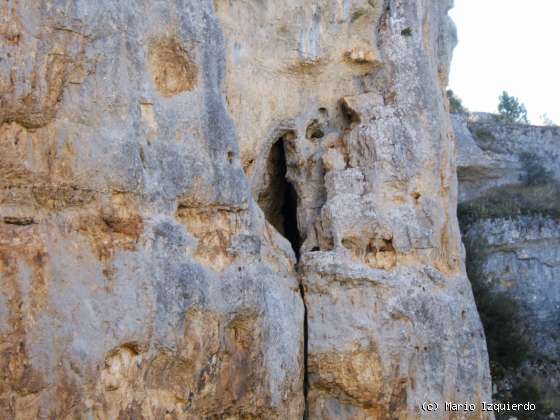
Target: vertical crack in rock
pixel 279 202
pixel 305 348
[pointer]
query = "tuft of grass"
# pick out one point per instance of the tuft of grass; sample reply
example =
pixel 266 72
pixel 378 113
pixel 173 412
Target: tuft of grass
pixel 406 32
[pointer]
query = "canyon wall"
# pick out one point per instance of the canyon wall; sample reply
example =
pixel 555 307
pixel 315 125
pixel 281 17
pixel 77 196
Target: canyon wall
pixel 231 209
pixel 509 183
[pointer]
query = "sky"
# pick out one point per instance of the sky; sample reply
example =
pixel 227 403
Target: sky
pixel 511 45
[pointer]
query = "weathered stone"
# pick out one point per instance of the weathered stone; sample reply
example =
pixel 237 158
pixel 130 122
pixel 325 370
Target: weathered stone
pixel 163 165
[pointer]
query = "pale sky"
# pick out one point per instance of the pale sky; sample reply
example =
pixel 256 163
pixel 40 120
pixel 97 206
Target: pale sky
pixel 511 45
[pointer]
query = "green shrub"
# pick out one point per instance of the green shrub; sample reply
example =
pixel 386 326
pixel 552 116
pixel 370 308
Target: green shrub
pixel 528 389
pixel 534 389
pixel 546 121
pixel 500 315
pixel 484 134
pixel 455 103
pixel 406 32
pixel 511 110
pixel 536 174
pixel 527 200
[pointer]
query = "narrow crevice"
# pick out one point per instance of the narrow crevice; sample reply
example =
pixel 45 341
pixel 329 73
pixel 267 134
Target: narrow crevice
pixel 279 202
pixel 305 348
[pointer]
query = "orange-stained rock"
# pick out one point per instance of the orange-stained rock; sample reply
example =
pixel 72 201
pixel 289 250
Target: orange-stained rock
pixel 164 165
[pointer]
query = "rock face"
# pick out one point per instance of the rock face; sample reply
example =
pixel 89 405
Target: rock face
pixel 230 209
pixel 509 182
pixel 494 155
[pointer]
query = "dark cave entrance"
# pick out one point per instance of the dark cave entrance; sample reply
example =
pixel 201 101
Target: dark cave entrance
pixel 279 201
pixel 289 210
pixel 279 198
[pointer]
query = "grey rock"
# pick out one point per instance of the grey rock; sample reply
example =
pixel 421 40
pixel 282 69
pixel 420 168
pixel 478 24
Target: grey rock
pixel 149 239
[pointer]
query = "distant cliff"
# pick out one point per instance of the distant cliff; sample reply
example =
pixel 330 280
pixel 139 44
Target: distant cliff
pixel 509 210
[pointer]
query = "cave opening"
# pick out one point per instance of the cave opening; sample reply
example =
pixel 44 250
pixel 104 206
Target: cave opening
pixel 279 198
pixel 289 211
pixel 279 202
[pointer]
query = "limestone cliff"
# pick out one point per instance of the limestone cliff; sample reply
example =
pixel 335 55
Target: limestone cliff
pixel 231 209
pixel 509 183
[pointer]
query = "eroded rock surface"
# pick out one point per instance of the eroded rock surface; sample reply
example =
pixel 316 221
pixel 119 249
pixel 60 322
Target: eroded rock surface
pixel 390 315
pixel 164 165
pixel 138 279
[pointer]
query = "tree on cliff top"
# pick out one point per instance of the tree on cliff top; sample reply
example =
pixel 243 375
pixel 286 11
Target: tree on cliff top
pixel 511 109
pixel 546 121
pixel 455 103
